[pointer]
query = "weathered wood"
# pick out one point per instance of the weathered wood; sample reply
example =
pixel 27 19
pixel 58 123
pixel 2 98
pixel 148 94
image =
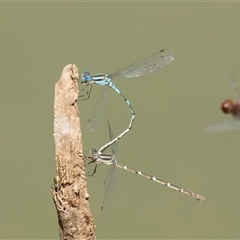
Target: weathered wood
pixel 69 190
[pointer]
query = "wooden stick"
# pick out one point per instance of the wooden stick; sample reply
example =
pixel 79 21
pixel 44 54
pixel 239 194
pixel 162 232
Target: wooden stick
pixel 69 190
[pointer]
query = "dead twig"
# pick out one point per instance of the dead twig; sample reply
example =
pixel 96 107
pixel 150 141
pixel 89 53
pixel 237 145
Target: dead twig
pixel 69 190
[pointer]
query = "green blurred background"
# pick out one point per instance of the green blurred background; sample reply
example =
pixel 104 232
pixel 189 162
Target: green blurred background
pixel 172 107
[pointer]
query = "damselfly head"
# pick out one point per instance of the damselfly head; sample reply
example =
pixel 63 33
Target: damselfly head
pixel 227 106
pixel 86 76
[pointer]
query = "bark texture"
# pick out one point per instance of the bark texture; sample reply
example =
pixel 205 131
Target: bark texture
pixel 69 190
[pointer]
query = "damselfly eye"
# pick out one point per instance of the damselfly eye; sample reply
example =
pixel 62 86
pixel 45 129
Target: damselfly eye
pixel 226 106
